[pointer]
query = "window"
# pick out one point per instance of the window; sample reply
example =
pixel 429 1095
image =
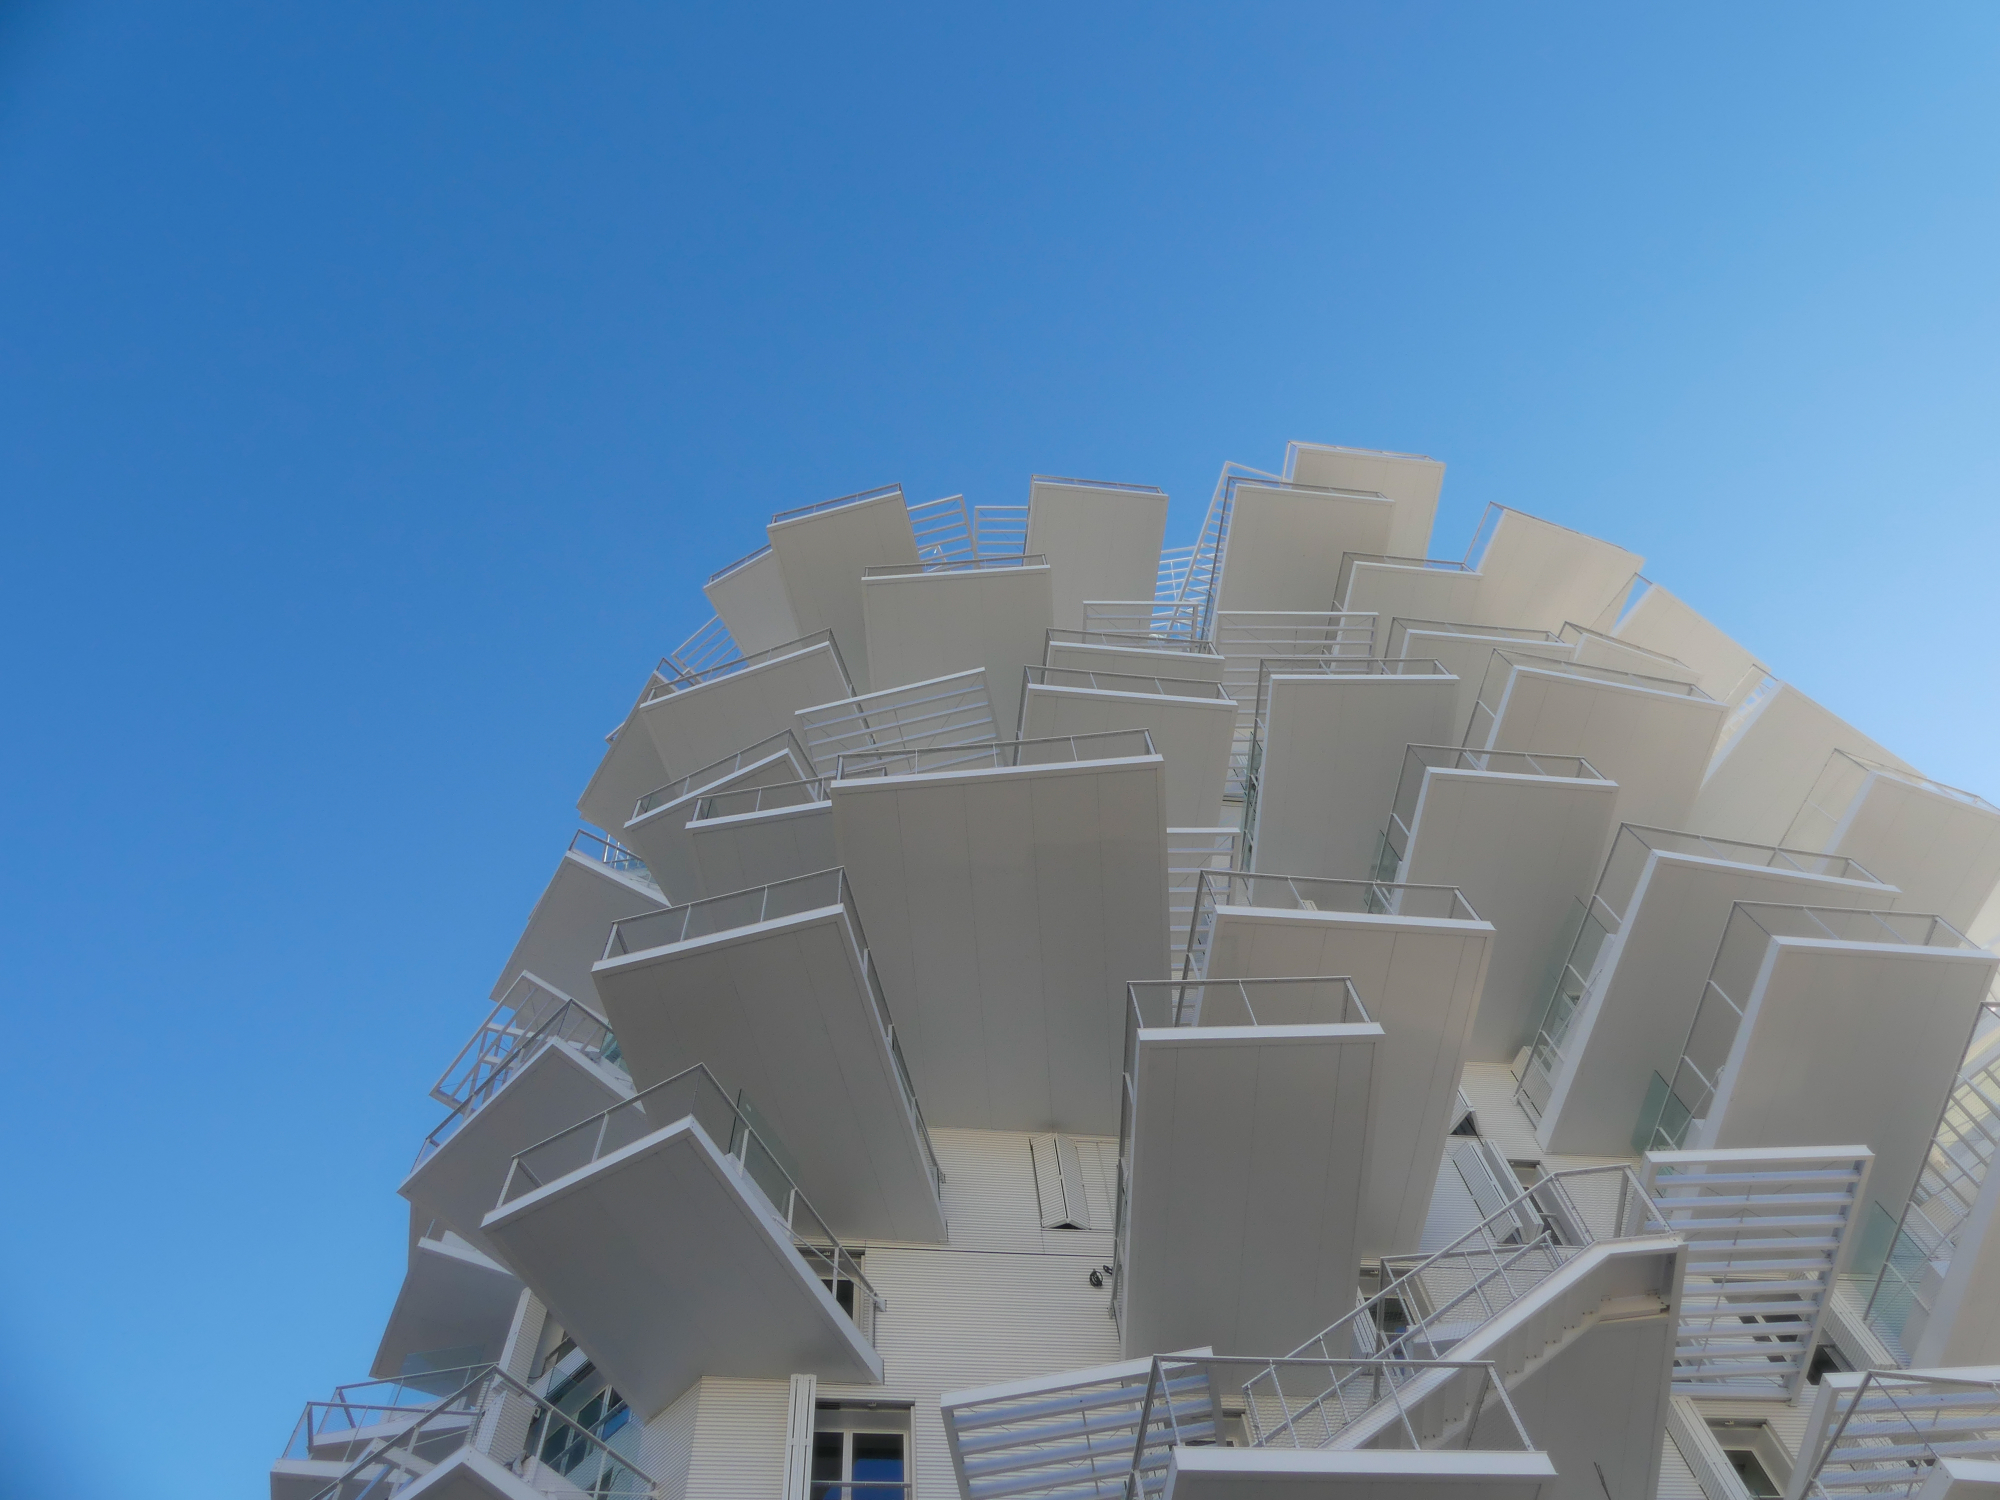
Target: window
pixel 861 1451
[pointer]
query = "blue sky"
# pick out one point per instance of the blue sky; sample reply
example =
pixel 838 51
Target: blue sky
pixel 378 381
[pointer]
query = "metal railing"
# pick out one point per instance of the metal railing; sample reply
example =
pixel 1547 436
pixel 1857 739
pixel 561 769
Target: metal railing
pixel 496 1415
pixel 674 678
pixel 709 647
pixel 1096 484
pixel 1002 755
pixel 1499 678
pixel 1844 781
pixel 1421 759
pixel 1893 1430
pixel 742 562
pixel 947 531
pixel 528 1001
pixel 612 855
pixel 500 1050
pixel 1312 893
pixel 942 711
pixel 1130 640
pixel 362 1413
pixel 722 770
pixel 1159 619
pixel 1125 682
pixel 986 563
pixel 1344 579
pixel 772 797
pixel 693 1094
pixel 1739 962
pixel 1402 627
pixel 820 507
pixel 769 903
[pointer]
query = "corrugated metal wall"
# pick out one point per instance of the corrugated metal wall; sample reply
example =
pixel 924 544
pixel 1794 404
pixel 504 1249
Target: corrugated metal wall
pixel 739 1440
pixel 667 1445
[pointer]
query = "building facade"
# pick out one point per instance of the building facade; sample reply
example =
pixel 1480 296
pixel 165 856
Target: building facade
pixel 1035 1015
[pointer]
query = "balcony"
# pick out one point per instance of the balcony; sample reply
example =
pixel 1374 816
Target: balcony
pixel 1892 1435
pixel 1651 735
pixel 671 1242
pixel 1939 845
pixel 822 551
pixel 657 828
pixel 1248 1110
pixel 1518 835
pixel 1279 542
pixel 1103 539
pixel 759 835
pixel 1825 1024
pixel 630 765
pixel 932 620
pixel 702 718
pixel 1410 480
pixel 1192 724
pixel 749 596
pixel 1326 753
pixel 775 991
pixel 1466 650
pixel 1389 587
pixel 524 1074
pixel 1636 953
pixel 453 1309
pixel 1047 860
pixel 596 882
pixel 1417 955
pixel 480 1435
pixel 1135 652
pixel 943 711
pixel 1246 639
pixel 1540 574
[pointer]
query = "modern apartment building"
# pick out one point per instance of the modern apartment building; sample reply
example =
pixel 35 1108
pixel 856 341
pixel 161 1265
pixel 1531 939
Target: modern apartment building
pixel 1037 1016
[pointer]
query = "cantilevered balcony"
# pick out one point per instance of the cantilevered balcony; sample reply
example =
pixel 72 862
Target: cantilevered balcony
pixel 1411 480
pixel 774 990
pixel 1326 752
pixel 1540 574
pixel 1248 1108
pixel 821 552
pixel 1389 587
pixel 1520 836
pixel 1939 845
pixel 1192 723
pixel 1651 735
pixel 473 1434
pixel 1466 650
pixel 453 1309
pixel 1417 956
pixel 671 1241
pixel 538 1062
pixel 629 766
pixel 1621 1001
pixel 935 713
pixel 1102 539
pixel 1280 543
pixel 1900 1434
pixel 596 882
pixel 657 828
pixel 1246 639
pixel 1825 1024
pixel 1132 651
pixel 759 835
pixel 1011 890
pixel 700 718
pixel 930 620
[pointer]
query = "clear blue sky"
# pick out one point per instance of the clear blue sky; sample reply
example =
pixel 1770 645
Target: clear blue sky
pixel 378 381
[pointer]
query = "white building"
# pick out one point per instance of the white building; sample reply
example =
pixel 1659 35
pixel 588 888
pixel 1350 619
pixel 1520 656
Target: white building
pixel 1044 1018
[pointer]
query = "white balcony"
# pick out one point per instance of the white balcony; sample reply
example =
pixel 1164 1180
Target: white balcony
pixel 1246 639
pixel 774 990
pixel 1328 750
pixel 631 765
pixel 759 835
pixel 1410 480
pixel 523 1076
pixel 1826 1025
pixel 702 718
pixel 1544 575
pixel 749 597
pixel 929 620
pixel 1937 844
pixel 1248 1110
pixel 822 550
pixel 1520 836
pixel 937 713
pixel 596 882
pixel 1651 735
pixel 1192 723
pixel 1466 651
pixel 657 829
pixel 1417 956
pixel 1102 540
pixel 1010 892
pixel 1770 752
pixel 1135 652
pixel 1638 949
pixel 1901 1435
pixel 1419 588
pixel 453 1309
pixel 1282 542
pixel 1662 623
pixel 668 1239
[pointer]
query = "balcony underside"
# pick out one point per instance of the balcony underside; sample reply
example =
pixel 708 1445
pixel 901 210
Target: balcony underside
pixel 660 835
pixel 567 928
pixel 822 557
pixel 741 852
pixel 1007 910
pixel 923 626
pixel 1193 734
pixel 1333 751
pixel 1100 543
pixel 1420 981
pixel 783 1011
pixel 1285 546
pixel 630 768
pixel 461 1181
pixel 665 1266
pixel 1409 480
pixel 701 725
pixel 453 1299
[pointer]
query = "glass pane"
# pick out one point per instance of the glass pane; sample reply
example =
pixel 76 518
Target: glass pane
pixel 878 1456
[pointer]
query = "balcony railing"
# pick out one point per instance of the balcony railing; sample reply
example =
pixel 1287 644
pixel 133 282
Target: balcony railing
pixel 1132 640
pixel 526 1004
pixel 756 799
pixel 501 1049
pixel 742 562
pixel 1400 629
pixel 1345 578
pixel 1739 962
pixel 1312 893
pixel 1004 755
pixel 941 711
pixel 769 903
pixel 1419 759
pixel 1895 1427
pixel 1096 484
pixel 612 855
pixel 838 502
pixel 676 679
pixel 948 531
pixel 1500 673
pixel 985 564
pixel 490 1413
pixel 1125 682
pixel 709 647
pixel 693 1094
pixel 1833 796
pixel 721 770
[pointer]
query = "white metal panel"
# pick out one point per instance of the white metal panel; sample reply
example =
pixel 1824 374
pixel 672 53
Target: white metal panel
pixel 1411 480
pixel 701 725
pixel 1661 622
pixel 751 600
pixel 822 556
pixel 666 1445
pixel 1101 543
pixel 571 919
pixel 926 625
pixel 1193 734
pixel 1140 661
pixel 761 848
pixel 1546 575
pixel 1760 775
pixel 630 768
pixel 739 1440
pixel 1392 589
pixel 1285 545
